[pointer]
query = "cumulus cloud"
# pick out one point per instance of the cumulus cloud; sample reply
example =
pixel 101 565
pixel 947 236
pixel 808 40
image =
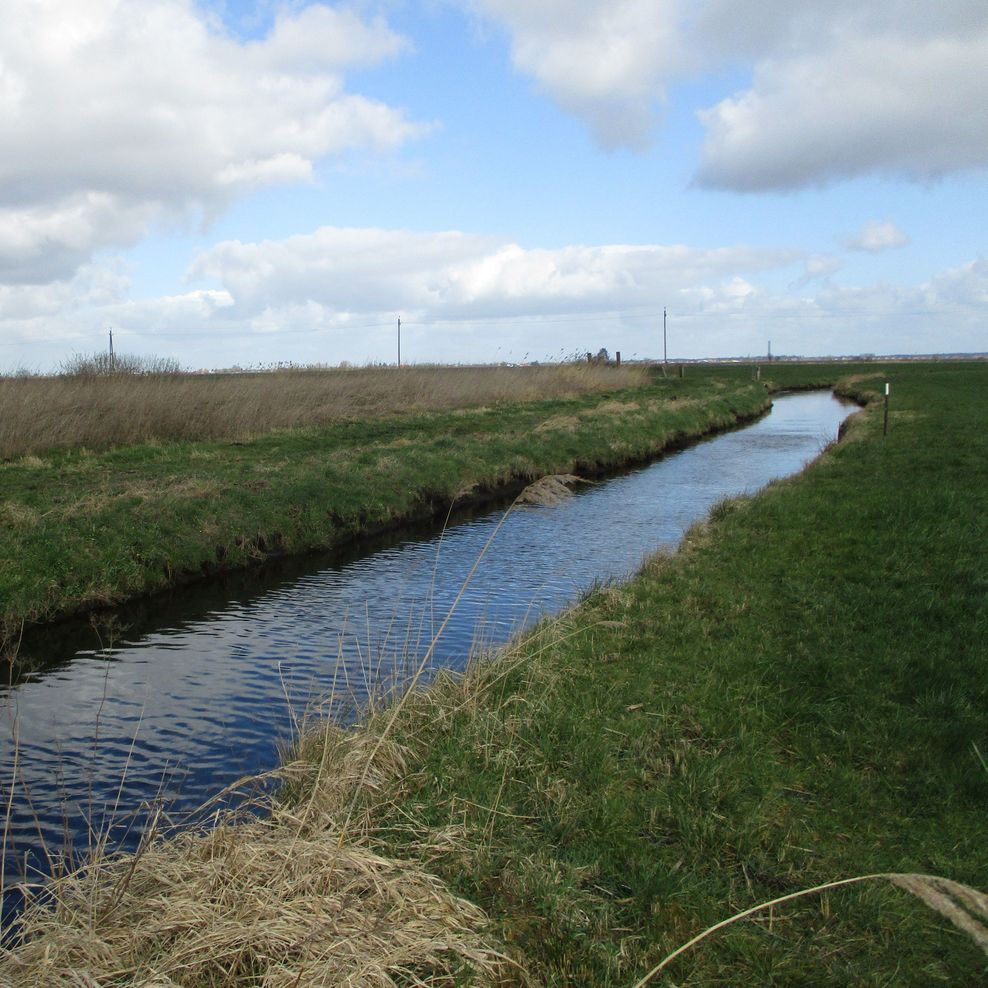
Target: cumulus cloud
pixel 916 108
pixel 465 295
pixel 116 114
pixel 468 297
pixel 602 60
pixel 839 89
pixel 29 309
pixel 453 275
pixel 876 236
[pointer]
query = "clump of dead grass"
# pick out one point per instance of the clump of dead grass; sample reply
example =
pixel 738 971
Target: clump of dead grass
pixel 549 491
pixel 264 903
pixel 284 899
pixel 18 515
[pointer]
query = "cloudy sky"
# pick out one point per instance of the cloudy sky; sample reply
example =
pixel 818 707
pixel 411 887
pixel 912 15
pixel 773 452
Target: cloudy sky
pixel 246 182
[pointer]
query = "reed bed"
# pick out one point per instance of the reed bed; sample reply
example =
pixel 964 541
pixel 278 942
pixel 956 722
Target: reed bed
pixel 99 411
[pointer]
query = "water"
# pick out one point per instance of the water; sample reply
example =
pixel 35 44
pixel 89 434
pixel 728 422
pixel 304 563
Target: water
pixel 193 693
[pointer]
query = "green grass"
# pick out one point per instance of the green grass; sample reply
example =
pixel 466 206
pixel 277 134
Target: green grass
pixel 798 696
pixel 82 529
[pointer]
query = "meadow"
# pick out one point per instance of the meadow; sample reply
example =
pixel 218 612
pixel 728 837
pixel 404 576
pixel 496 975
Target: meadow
pixel 798 696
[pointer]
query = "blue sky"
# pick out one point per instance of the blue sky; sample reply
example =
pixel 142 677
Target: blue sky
pixel 243 183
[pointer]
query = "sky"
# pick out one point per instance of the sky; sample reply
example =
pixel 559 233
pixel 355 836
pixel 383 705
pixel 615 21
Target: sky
pixel 252 183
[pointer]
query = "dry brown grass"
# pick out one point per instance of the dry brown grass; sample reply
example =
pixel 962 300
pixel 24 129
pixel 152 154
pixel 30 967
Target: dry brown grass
pixel 549 491
pixel 44 413
pixel 283 900
pixel 254 904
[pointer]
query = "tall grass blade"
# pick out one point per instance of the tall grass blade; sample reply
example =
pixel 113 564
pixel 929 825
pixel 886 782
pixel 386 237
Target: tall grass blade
pixel 965 907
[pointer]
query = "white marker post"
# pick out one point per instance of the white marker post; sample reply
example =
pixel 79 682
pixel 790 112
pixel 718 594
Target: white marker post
pixel 885 425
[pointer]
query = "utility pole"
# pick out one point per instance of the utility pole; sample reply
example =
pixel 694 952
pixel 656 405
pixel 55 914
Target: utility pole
pixel 112 362
pixel 665 351
pixel 399 341
pixel 770 351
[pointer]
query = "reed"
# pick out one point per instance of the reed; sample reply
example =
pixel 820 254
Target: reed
pixel 98 411
pixel 965 907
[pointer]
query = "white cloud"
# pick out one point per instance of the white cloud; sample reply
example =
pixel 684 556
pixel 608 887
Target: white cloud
pixel 822 266
pixel 916 108
pixel 31 310
pixel 115 114
pixel 602 60
pixel 840 89
pixel 876 236
pixel 453 275
pixel 47 241
pixel 468 297
pixel 333 295
pixel 964 287
pixel 736 28
pixel 321 37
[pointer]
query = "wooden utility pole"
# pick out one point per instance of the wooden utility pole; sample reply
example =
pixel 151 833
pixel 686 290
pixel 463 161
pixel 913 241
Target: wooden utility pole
pixel 112 362
pixel 399 341
pixel 665 351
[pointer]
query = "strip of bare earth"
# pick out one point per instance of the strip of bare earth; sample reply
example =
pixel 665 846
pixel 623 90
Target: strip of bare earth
pixel 799 695
pixel 82 530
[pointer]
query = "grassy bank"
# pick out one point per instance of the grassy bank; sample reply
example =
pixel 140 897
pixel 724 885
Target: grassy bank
pixel 799 695
pixel 82 529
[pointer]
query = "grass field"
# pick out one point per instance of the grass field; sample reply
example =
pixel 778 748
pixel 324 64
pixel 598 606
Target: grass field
pixel 799 695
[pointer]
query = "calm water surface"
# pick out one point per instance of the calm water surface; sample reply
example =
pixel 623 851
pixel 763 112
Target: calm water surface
pixel 172 712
